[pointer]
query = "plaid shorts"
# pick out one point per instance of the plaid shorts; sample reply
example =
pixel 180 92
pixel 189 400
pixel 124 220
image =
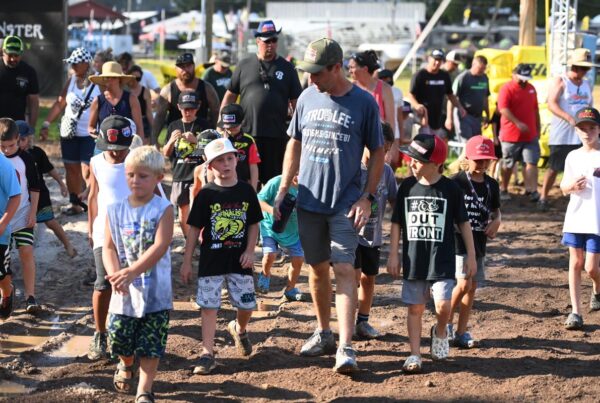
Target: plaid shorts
pixel 144 337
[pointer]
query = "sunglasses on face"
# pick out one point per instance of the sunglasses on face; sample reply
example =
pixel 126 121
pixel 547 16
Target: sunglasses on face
pixel 138 78
pixel 359 59
pixel 272 40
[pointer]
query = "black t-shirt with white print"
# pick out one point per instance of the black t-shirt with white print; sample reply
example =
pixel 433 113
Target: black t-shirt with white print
pixel 224 215
pixel 488 193
pixel 427 215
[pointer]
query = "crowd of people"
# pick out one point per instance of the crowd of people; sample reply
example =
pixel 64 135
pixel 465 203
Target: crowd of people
pixel 305 171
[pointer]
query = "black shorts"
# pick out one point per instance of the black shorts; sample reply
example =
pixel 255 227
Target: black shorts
pixel 4 262
pixel 271 151
pixel 367 260
pixel 558 155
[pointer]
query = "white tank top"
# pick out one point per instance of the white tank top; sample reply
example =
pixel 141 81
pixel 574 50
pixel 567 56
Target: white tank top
pixel 112 187
pixel 571 100
pixel 75 97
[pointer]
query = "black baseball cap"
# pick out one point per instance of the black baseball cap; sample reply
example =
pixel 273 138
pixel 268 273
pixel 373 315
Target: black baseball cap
pixel 438 54
pixel 385 73
pixel 206 137
pixel 184 58
pixel 587 115
pixel 523 71
pixel 188 99
pixel 115 134
pixel 231 116
pixel 427 148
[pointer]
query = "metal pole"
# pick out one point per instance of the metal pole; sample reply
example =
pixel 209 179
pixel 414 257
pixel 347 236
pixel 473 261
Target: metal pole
pixel 411 53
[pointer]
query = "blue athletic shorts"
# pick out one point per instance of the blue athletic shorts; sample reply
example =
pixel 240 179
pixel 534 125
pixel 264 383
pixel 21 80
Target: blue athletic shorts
pixel 587 242
pixel 270 245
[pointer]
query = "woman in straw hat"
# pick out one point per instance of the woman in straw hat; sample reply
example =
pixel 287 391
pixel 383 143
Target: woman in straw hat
pixel 114 100
pixel 75 100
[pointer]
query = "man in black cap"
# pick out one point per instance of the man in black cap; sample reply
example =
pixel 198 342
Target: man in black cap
pixel 427 90
pixel 186 80
pixel 268 87
pixel 19 90
pixel 219 74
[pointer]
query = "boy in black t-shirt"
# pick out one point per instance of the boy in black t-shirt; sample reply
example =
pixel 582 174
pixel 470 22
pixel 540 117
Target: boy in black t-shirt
pixel 427 207
pixel 482 200
pixel 182 138
pixel 45 214
pixel 248 159
pixel 227 212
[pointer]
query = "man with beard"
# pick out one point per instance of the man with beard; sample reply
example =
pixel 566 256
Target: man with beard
pixel 186 80
pixel 268 87
pixel 19 89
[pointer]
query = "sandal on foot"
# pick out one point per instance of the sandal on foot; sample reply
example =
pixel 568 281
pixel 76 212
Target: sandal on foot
pixel 122 384
pixel 146 397
pixel 412 365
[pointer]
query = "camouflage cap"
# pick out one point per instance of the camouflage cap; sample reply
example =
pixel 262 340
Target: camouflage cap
pixel 320 54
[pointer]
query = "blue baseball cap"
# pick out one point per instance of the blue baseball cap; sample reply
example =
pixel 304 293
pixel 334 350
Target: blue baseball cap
pixel 24 128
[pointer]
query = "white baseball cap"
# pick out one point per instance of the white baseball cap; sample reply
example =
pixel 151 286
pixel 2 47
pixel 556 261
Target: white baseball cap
pixel 218 147
pixel 452 56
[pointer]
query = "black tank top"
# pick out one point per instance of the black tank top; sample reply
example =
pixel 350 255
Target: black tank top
pixel 174 113
pixel 142 103
pixel 105 108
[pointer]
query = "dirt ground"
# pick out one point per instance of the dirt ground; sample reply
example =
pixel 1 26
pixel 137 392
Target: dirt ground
pixel 526 355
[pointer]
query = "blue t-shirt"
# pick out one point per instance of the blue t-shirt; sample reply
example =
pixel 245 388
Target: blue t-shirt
pixel 133 230
pixel 9 187
pixel 334 132
pixel 289 236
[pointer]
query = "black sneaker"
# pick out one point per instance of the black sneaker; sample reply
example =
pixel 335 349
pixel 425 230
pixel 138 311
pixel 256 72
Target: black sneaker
pixel 6 304
pixel 31 305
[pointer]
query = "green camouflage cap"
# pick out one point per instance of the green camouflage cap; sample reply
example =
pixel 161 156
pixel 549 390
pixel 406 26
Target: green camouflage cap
pixel 320 54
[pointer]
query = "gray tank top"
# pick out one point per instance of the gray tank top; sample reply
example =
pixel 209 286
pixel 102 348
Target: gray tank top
pixel 571 100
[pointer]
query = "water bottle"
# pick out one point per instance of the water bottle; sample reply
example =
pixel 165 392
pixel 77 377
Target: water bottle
pixel 285 209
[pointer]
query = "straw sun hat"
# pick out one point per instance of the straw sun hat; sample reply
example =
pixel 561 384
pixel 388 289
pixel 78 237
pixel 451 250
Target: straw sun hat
pixel 109 70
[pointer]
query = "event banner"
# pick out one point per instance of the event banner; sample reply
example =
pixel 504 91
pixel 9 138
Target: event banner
pixel 41 24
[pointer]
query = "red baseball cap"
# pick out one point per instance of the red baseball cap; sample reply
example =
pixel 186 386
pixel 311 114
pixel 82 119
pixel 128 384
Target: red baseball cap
pixel 480 148
pixel 427 148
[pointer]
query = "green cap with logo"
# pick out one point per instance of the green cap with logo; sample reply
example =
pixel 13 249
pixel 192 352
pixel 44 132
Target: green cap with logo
pixel 320 54
pixel 12 45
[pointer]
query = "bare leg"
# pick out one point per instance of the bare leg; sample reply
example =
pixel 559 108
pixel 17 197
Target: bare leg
pixel 100 303
pixel 209 325
pixel 531 177
pixel 345 300
pixel 62 236
pixel 466 306
pixel 242 318
pixel 148 369
pixel 267 263
pixel 549 178
pixel 294 272
pixel 74 179
pixel 28 263
pixel 592 269
pixel 184 211
pixel 414 325
pixel 320 290
pixel 5 286
pixel 461 288
pixel 576 263
pixel 442 313
pixel 365 293
pixel 505 176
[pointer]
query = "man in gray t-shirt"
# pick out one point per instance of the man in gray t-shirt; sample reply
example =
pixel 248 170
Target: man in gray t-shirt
pixel 333 122
pixel 472 88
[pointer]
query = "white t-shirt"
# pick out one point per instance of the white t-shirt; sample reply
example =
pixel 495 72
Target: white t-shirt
pixel 112 187
pixel 398 103
pixel 148 80
pixel 583 213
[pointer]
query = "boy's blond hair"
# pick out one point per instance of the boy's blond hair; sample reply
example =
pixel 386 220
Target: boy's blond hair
pixel 146 157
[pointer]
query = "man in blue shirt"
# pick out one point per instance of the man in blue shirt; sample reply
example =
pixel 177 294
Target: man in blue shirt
pixel 333 122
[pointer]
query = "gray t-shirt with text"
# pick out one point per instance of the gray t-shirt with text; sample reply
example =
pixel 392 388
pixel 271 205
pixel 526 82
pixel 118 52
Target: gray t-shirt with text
pixel 334 132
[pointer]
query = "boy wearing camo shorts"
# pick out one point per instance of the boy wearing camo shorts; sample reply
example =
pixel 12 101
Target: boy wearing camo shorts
pixel 227 212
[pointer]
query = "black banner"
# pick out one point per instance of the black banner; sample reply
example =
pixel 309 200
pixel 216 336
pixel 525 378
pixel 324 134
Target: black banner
pixel 42 25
